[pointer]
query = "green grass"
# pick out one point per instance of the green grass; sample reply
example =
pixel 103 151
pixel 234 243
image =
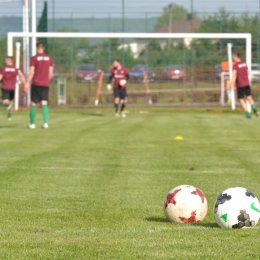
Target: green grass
pixel 92 186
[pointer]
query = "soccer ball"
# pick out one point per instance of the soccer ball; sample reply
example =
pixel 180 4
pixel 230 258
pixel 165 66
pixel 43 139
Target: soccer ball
pixel 185 204
pixel 122 82
pixel 237 208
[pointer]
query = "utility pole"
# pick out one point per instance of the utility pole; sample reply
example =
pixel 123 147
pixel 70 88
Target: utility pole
pixel 25 39
pixel 53 15
pixel 26 44
pixel 34 26
pixel 192 55
pixel 170 25
pixel 258 34
pixel 123 30
pixel 72 46
pixel 146 22
pixel 53 28
pixel 109 59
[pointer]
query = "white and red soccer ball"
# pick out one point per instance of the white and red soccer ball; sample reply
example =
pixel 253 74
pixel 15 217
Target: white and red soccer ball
pixel 185 204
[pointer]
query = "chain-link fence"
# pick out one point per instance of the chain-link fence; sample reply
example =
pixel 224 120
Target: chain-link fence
pixel 180 72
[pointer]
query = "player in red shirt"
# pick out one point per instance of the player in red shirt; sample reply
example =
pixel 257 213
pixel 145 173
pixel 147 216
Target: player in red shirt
pixel 120 75
pixel 241 81
pixel 8 75
pixel 41 71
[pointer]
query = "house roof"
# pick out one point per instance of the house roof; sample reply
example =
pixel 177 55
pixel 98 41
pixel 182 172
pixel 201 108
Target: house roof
pixel 184 26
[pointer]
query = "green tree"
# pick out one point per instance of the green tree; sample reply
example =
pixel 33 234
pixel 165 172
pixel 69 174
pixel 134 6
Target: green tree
pixel 64 51
pixel 43 24
pixel 178 54
pixel 248 23
pixel 101 54
pixel 3 50
pixel 178 12
pixel 211 52
pixel 157 54
pixel 226 22
pixel 105 52
pixel 152 53
pixel 222 21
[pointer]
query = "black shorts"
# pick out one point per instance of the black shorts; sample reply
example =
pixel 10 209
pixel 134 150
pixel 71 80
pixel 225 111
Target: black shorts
pixel 39 94
pixel 7 94
pixel 120 93
pixel 244 91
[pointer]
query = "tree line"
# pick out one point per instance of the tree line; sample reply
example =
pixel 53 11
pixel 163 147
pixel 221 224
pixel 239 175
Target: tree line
pixel 159 53
pixel 69 53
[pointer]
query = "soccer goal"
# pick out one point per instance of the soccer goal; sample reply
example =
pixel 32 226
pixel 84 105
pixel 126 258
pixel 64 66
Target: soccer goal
pixel 226 79
pixel 166 69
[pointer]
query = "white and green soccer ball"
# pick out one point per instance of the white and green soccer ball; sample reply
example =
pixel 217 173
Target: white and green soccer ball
pixel 237 208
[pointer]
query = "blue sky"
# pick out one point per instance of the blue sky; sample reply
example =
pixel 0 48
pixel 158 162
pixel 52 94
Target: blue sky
pixel 133 8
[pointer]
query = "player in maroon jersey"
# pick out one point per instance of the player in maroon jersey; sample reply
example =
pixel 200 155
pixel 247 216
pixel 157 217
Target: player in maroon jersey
pixel 240 79
pixel 120 75
pixel 41 71
pixel 8 75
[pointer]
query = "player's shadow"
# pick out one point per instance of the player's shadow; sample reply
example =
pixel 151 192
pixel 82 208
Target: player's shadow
pixel 7 126
pixel 92 114
pixel 156 219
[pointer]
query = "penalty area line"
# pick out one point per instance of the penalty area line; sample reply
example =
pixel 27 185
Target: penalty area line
pixel 46 168
pixel 122 170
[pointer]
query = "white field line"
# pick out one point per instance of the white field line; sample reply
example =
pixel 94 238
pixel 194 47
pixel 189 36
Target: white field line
pixel 199 227
pixel 121 170
pixel 46 168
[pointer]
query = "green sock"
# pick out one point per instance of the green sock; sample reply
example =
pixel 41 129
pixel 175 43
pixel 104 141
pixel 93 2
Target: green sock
pixel 32 114
pixel 9 115
pixel 248 114
pixel 45 113
pixel 254 107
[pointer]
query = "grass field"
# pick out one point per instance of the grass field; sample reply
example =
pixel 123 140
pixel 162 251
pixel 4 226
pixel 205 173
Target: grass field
pixel 92 186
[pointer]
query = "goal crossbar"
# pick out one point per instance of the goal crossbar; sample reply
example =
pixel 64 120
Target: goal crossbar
pixel 246 36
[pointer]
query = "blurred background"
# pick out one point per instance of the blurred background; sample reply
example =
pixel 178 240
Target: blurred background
pixel 179 72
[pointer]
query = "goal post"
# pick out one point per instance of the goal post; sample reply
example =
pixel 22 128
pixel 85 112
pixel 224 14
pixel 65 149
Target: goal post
pixel 189 88
pixel 17 64
pixel 230 68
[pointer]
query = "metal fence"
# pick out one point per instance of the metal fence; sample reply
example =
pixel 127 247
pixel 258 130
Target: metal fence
pixel 197 62
pixel 171 78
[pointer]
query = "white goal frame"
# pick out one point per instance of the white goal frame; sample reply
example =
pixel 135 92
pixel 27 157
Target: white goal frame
pixel 246 36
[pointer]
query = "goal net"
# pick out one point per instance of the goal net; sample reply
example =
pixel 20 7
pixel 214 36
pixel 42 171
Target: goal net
pixel 165 69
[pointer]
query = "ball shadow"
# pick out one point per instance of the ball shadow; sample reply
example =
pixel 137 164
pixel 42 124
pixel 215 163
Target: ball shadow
pixel 156 219
pixel 164 220
pixel 208 225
